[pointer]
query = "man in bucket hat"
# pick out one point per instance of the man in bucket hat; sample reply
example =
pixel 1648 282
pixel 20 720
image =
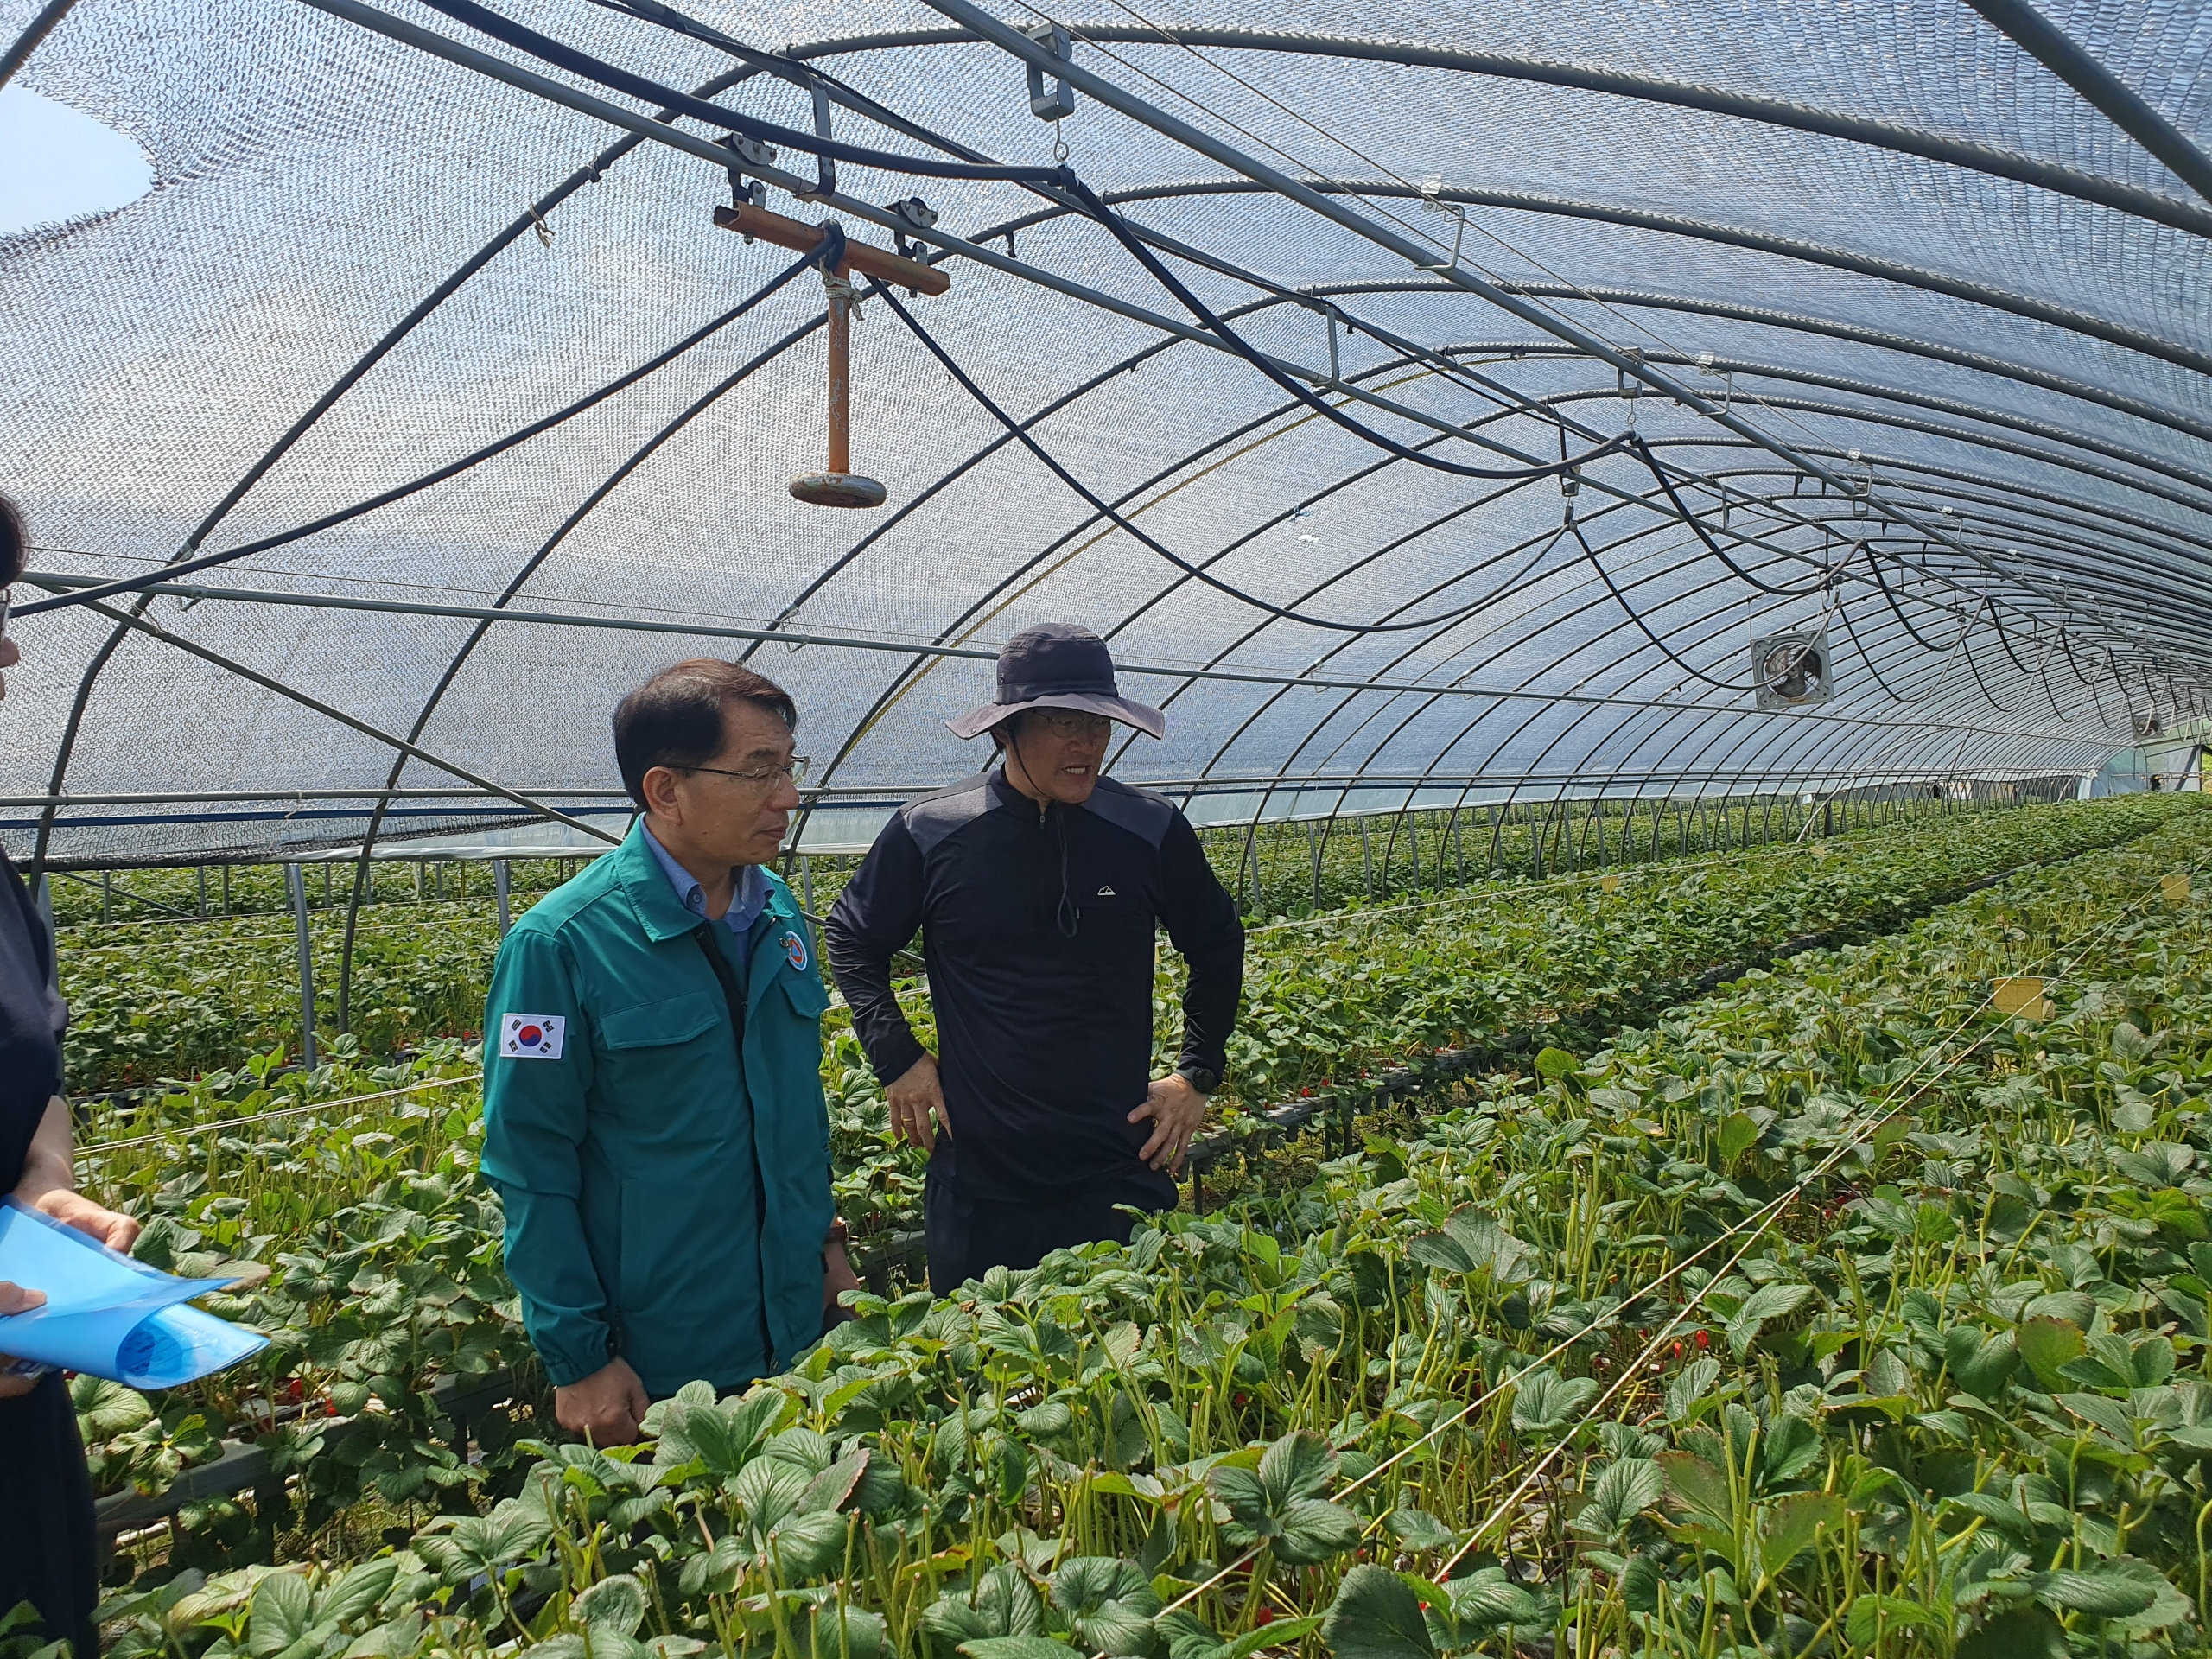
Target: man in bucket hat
pixel 1037 884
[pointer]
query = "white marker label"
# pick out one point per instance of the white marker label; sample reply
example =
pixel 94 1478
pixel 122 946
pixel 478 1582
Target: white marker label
pixel 532 1036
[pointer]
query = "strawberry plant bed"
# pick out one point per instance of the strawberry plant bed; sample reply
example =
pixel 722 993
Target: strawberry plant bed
pixel 1836 1312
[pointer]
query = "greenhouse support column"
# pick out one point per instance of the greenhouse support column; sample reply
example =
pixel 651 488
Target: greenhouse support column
pixel 806 884
pixel 1827 817
pixel 1458 847
pixel 1539 827
pixel 1413 847
pixel 202 911
pixel 107 895
pixel 1367 857
pixel 296 885
pixel 500 879
pixel 226 889
pixel 1313 851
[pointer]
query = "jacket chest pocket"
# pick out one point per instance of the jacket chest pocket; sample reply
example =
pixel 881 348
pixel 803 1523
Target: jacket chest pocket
pixel 654 1055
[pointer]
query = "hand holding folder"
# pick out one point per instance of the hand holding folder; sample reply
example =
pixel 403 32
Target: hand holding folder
pixel 105 1314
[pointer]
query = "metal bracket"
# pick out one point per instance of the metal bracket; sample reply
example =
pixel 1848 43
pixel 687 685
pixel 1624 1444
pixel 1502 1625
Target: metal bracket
pixel 750 152
pixel 1726 376
pixel 920 215
pixel 825 168
pixel 1630 390
pixel 1432 197
pixel 1058 104
pixel 1336 363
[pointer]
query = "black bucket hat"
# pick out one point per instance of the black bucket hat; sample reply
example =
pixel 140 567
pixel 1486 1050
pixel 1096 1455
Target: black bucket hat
pixel 1058 665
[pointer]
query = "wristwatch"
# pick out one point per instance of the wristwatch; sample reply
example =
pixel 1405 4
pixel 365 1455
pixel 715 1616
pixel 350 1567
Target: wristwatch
pixel 1203 1079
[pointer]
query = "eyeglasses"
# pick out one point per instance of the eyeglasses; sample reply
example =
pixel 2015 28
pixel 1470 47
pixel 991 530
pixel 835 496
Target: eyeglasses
pixel 1074 726
pixel 762 778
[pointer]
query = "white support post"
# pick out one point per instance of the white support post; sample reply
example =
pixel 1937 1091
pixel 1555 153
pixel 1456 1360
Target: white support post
pixel 500 880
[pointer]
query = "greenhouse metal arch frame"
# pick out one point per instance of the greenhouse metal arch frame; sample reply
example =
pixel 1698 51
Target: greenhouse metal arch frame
pixel 2129 604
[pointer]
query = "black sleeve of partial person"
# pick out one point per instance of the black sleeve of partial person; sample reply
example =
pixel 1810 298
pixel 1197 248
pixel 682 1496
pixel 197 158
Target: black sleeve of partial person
pixel 1203 925
pixel 872 921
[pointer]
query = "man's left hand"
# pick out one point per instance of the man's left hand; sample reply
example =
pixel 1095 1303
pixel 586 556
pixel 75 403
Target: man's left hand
pixel 1175 1110
pixel 118 1232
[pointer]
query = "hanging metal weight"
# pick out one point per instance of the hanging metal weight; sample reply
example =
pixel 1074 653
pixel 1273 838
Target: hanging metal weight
pixel 836 485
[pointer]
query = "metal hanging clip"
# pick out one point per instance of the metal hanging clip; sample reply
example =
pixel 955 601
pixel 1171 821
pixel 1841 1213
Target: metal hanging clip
pixel 1059 103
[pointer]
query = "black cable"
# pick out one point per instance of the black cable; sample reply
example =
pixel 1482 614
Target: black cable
pixel 1120 521
pixel 1867 657
pixel 1591 553
pixel 616 79
pixel 1881 582
pixel 1643 454
pixel 1304 394
pixel 2042 672
pixel 399 491
pixel 1974 668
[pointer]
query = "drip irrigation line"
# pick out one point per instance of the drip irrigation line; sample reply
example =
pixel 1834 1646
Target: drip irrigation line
pixel 1214 325
pixel 1644 453
pixel 165 573
pixel 1881 582
pixel 1121 521
pixel 191 1130
pixel 1759 1222
pixel 1974 668
pixel 1868 658
pixel 1637 617
pixel 616 79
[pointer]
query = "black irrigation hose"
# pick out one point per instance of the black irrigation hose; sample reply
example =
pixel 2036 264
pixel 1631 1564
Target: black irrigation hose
pixel 1120 521
pixel 1867 657
pixel 1637 617
pixel 1926 644
pixel 399 491
pixel 1643 454
pixel 1974 669
pixel 1306 394
pixel 616 79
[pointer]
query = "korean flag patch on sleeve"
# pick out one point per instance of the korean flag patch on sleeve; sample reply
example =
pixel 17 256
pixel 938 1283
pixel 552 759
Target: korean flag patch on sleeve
pixel 532 1036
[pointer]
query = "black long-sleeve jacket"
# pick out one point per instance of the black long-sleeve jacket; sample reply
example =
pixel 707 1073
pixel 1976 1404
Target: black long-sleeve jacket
pixel 1038 933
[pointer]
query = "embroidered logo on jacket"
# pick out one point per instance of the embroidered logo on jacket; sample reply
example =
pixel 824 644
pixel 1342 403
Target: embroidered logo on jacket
pixel 795 949
pixel 532 1036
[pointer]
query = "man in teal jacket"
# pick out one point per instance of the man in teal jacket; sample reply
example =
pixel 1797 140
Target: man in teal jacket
pixel 653 1092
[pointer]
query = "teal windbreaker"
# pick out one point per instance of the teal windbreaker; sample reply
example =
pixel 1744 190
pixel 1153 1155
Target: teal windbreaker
pixel 660 1204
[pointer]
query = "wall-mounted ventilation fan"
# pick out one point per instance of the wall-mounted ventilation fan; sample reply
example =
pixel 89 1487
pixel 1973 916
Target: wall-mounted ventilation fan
pixel 2145 722
pixel 1792 670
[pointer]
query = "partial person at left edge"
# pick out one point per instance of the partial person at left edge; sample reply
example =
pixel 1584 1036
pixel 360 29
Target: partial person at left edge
pixel 654 1120
pixel 47 1555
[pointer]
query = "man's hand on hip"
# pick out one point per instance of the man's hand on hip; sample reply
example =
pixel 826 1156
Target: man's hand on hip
pixel 608 1405
pixel 1175 1110
pixel 915 1099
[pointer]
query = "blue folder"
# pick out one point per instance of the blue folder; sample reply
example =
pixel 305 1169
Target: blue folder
pixel 106 1315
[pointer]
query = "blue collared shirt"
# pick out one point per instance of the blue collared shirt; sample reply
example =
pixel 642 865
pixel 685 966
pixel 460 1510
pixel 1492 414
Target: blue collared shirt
pixel 744 905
